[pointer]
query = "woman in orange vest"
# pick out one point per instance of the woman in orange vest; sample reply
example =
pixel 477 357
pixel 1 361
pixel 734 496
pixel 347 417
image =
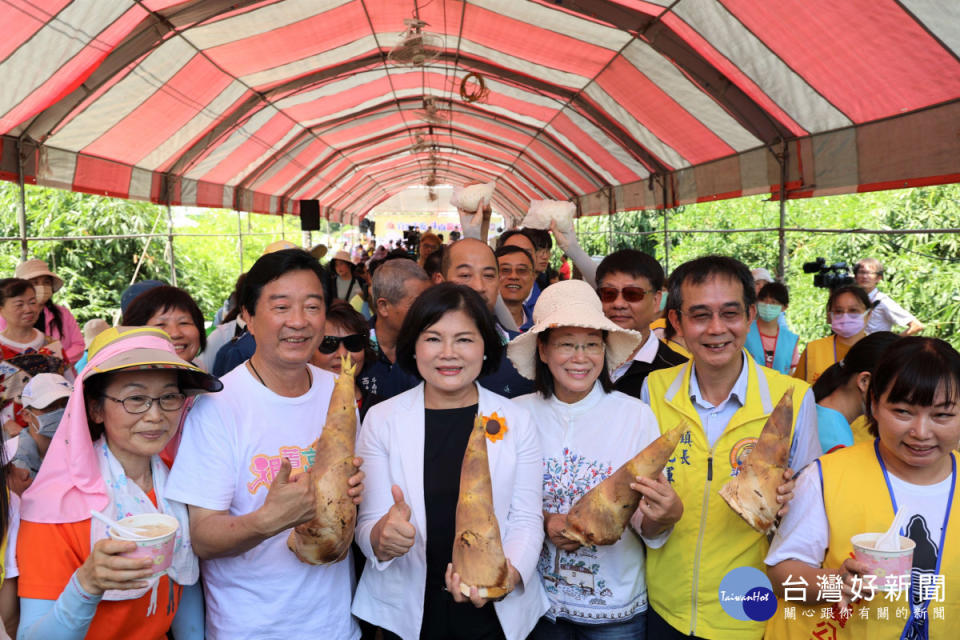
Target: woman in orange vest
pixel 847 309
pixel 913 404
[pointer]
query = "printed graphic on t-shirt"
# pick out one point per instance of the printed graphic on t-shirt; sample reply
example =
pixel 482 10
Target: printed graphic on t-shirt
pixel 925 555
pixel 575 574
pixel 266 467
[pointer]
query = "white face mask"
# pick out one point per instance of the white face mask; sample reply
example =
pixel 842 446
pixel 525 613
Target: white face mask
pixel 43 293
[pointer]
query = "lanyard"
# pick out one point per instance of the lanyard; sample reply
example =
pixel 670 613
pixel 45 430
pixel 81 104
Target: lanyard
pixel 915 627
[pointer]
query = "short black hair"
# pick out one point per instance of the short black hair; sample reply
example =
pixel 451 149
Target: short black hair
pixel 776 290
pixel 434 262
pixel 507 250
pixel 540 238
pixel 701 269
pixel 543 379
pixel 160 299
pixel 852 289
pixel 911 371
pixel 509 233
pixel 433 304
pixel 271 266
pixel 634 263
pixel 13 287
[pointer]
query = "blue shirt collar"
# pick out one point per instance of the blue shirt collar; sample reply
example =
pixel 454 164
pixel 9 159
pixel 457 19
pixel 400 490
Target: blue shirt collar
pixel 738 394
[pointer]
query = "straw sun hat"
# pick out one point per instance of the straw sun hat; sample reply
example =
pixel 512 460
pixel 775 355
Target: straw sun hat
pixel 571 303
pixel 37 269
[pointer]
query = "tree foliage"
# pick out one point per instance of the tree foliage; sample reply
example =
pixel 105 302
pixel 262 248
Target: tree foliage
pixel 921 270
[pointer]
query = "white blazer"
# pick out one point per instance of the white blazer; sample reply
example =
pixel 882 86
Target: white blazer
pixel 390 594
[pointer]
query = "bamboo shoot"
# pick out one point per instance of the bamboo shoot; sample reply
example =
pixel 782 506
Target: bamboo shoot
pixel 326 539
pixel 601 515
pixel 477 547
pixel 752 493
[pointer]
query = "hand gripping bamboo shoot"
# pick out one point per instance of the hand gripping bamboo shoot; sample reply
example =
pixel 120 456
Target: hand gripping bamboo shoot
pixel 477 549
pixel 326 539
pixel 752 493
pixel 601 515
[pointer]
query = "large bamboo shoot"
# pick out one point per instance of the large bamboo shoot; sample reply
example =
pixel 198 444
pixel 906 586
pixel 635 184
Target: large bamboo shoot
pixel 477 548
pixel 752 493
pixel 326 538
pixel 601 515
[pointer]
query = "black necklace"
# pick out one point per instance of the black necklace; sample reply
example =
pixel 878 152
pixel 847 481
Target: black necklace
pixel 260 378
pixel 257 373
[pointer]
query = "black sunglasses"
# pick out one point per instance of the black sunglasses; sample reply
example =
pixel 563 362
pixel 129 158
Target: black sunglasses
pixel 355 342
pixel 630 294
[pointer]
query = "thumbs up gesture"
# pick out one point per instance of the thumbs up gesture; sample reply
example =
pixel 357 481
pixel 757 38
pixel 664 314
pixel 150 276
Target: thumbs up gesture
pixel 289 502
pixel 393 534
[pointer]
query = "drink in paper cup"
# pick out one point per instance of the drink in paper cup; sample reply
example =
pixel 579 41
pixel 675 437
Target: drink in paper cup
pixel 160 530
pixel 884 563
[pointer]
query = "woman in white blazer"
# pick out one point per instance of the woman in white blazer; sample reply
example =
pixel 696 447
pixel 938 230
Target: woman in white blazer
pixel 412 446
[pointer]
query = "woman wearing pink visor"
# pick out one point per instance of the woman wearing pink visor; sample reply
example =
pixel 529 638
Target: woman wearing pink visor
pixel 75 582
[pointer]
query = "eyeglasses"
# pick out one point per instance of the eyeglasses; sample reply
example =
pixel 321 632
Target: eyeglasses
pixel 355 342
pixel 523 272
pixel 702 317
pixel 141 404
pixel 567 349
pixel 630 294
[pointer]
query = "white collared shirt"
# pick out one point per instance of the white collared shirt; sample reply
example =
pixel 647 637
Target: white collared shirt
pixel 646 353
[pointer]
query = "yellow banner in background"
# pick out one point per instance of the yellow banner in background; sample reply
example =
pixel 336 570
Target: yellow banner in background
pixel 393 225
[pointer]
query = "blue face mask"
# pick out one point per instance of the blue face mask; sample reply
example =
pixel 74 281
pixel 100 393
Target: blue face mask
pixel 663 301
pixel 768 312
pixel 47 423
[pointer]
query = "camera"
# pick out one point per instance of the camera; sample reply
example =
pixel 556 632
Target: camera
pixel 828 276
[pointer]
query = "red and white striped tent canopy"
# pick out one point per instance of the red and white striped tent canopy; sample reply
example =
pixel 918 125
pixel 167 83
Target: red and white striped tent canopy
pixel 614 104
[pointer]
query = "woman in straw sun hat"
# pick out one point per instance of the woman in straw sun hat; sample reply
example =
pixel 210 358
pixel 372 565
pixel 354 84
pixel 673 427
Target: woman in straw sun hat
pixel 55 320
pixel 75 580
pixel 587 431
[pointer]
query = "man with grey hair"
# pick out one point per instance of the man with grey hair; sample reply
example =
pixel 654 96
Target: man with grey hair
pixel 396 284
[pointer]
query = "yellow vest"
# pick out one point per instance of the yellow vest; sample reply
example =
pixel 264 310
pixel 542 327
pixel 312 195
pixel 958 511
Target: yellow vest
pixel 821 355
pixel 859 428
pixel 865 509
pixel 683 576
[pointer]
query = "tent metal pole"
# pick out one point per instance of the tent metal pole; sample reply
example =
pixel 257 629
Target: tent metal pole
pixel 22 211
pixel 173 266
pixel 283 230
pixel 666 241
pixel 781 232
pixel 240 237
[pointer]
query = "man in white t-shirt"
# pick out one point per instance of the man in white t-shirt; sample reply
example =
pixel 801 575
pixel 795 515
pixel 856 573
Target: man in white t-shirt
pixel 886 313
pixel 240 469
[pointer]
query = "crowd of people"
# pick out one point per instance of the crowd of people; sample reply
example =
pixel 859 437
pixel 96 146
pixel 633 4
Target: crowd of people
pixel 581 370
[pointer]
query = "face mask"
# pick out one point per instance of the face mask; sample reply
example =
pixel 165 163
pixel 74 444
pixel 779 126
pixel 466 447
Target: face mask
pixel 47 422
pixel 663 301
pixel 43 293
pixel 846 325
pixel 768 312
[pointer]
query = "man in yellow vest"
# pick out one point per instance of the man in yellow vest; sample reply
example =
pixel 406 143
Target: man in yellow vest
pixel 727 398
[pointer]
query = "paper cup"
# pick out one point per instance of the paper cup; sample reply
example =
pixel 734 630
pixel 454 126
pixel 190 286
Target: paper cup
pixel 158 548
pixel 884 563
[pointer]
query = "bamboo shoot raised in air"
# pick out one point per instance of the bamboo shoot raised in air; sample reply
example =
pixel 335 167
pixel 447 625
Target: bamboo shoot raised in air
pixel 752 493
pixel 326 538
pixel 477 547
pixel 601 515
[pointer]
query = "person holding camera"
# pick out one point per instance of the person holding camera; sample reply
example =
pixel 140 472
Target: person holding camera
pixel 886 313
pixel 847 312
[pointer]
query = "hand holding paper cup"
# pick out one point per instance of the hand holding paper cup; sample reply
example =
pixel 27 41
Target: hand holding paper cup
pixel 159 531
pixel 884 562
